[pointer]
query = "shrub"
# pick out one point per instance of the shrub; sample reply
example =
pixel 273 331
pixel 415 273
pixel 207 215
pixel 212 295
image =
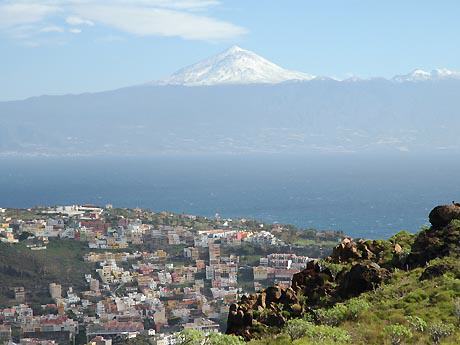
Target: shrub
pixel 457 308
pixel 193 337
pixel 398 333
pixel 440 330
pixel 190 337
pixel 296 328
pixel 327 334
pixel 333 267
pixel 342 312
pixel 404 238
pixel 417 323
pixel 333 316
pixel 355 307
pixel 223 339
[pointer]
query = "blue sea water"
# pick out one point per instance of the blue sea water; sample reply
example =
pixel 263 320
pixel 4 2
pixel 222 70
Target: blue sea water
pixel 364 196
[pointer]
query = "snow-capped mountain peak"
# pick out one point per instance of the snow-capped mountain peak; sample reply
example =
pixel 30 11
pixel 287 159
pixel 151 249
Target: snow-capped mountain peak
pixel 234 66
pixel 240 66
pixel 444 73
pixel 421 75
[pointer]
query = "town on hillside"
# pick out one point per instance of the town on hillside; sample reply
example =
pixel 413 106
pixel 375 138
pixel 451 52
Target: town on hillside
pixel 87 274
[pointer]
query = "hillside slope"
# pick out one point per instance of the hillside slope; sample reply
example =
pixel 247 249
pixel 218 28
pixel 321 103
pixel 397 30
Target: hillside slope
pixel 405 290
pixel 62 262
pixel 295 117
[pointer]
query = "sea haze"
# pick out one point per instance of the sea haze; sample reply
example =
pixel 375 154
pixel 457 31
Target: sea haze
pixel 361 195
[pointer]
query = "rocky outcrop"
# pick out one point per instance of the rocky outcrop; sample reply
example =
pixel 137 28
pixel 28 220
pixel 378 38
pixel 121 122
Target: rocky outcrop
pixel 313 282
pixel 442 239
pixel 434 243
pixel 441 216
pixel 361 278
pixel 346 251
pixel 273 306
pixel 384 253
pixel 270 307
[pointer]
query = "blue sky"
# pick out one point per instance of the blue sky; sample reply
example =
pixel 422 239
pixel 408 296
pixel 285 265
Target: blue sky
pixel 73 46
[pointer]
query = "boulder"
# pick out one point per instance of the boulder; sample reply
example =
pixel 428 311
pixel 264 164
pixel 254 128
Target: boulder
pixel 274 294
pixel 239 322
pixel 261 300
pixel 289 296
pixel 435 242
pixel 434 271
pixel 275 319
pixel 441 216
pixel 345 251
pixel 361 278
pixel 364 251
pixel 314 282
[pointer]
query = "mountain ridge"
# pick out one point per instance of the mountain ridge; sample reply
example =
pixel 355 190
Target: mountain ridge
pixel 240 66
pixel 290 117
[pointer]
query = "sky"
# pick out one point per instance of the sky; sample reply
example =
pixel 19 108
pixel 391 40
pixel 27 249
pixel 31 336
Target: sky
pixel 75 46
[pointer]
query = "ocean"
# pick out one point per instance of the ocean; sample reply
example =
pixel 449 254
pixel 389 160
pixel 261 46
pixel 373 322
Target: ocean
pixel 364 196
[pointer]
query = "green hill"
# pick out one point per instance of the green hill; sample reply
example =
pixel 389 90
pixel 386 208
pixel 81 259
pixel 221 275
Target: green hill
pixel 404 290
pixel 62 262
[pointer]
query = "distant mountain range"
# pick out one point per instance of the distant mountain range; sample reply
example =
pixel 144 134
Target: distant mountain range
pixel 239 102
pixel 240 66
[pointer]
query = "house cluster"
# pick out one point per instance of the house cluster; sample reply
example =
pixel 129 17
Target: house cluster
pixel 278 268
pixel 148 278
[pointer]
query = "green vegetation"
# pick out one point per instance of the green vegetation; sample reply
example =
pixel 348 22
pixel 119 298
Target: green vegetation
pixel 398 333
pixel 403 311
pixel 192 337
pixel 62 262
pixel 342 312
pixel 417 304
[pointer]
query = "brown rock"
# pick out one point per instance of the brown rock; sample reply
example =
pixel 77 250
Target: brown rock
pixel 435 242
pixel 346 251
pixel 273 294
pixel 434 271
pixel 362 278
pixel 441 216
pixel 261 300
pixel 364 251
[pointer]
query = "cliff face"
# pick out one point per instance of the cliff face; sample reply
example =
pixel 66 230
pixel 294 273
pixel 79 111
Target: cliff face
pixel 354 267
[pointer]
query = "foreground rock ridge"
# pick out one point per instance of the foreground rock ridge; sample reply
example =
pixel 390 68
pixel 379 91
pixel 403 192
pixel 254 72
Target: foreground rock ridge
pixel 353 268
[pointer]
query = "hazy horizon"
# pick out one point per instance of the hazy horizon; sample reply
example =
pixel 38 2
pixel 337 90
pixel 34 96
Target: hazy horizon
pixel 365 196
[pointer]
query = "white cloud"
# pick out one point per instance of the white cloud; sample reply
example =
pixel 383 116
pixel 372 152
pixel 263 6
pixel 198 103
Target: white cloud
pixel 188 19
pixel 52 28
pixel 75 31
pixel 19 13
pixel 75 20
pixel 160 22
